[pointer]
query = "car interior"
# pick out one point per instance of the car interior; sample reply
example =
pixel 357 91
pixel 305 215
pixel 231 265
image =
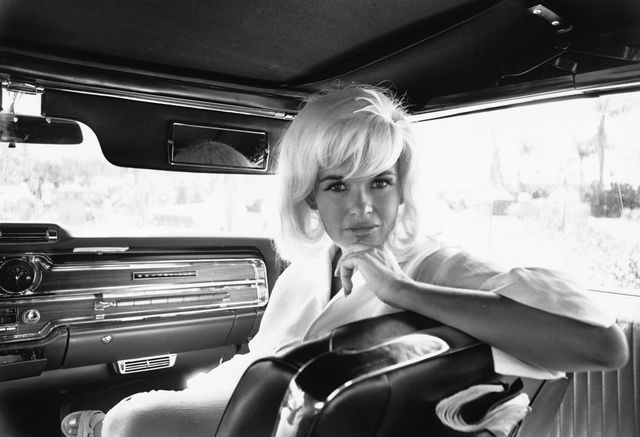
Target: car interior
pixel 95 306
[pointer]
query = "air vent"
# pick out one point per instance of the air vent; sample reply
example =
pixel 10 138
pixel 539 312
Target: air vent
pixel 28 234
pixel 145 364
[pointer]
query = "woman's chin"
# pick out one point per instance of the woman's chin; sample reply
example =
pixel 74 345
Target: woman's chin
pixel 360 245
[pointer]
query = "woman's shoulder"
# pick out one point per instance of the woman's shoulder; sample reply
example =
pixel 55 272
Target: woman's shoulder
pixel 425 248
pixel 455 267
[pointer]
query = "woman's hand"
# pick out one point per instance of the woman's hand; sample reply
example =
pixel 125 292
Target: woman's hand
pixel 378 267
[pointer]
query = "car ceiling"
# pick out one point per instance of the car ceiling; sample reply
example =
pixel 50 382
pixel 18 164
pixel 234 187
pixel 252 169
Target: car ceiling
pixel 269 55
pixel 426 48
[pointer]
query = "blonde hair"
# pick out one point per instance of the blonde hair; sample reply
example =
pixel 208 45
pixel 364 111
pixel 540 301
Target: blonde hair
pixel 362 127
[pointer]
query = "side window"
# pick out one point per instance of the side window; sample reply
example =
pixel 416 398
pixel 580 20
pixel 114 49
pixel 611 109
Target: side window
pixel 554 185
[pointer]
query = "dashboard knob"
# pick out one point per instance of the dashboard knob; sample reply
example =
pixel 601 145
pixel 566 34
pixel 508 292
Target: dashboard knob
pixel 31 316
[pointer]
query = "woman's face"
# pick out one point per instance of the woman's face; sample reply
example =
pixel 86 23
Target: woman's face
pixel 357 211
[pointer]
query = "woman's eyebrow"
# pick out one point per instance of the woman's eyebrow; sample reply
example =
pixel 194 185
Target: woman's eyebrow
pixel 331 178
pixel 387 173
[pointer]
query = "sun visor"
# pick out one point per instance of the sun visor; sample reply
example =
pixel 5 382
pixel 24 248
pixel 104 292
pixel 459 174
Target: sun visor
pixel 140 134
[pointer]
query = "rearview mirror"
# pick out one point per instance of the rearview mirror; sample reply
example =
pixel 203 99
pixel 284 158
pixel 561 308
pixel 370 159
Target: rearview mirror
pixel 18 128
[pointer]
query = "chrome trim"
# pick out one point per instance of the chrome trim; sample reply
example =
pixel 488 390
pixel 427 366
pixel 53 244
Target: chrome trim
pixel 261 275
pixel 32 234
pixel 219 296
pixel 31 316
pixel 152 288
pixel 30 299
pixel 215 287
pixel 52 234
pixel 73 267
pixel 496 103
pixel 171 144
pixel 586 88
pixel 22 87
pixel 194 310
pixel 588 84
pixel 37 275
pixel 102 305
pixel 176 101
pixel 614 291
pixel 143 276
pixel 171 263
pixel 145 364
pixel 77 294
pixel 97 295
pixel 257 264
pixel 100 250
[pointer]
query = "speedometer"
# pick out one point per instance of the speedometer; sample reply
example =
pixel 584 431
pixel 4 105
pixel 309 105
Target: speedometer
pixel 17 275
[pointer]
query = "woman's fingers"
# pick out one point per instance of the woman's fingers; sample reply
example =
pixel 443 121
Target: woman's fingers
pixel 368 260
pixel 348 264
pixel 377 266
pixel 345 270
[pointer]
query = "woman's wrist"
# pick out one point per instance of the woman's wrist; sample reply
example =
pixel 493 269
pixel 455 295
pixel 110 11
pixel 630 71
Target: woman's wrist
pixel 403 293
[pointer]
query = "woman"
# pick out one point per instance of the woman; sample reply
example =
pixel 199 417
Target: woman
pixel 350 226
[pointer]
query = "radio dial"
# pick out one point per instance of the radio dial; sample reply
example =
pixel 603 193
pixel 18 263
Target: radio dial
pixel 31 316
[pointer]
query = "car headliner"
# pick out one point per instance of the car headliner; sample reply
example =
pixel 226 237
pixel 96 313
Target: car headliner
pixel 269 55
pixel 424 48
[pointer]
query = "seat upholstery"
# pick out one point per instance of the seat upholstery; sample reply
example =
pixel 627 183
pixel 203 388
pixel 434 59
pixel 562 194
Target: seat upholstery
pixel 397 402
pixel 254 405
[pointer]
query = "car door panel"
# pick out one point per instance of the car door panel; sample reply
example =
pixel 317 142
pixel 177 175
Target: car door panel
pixel 603 404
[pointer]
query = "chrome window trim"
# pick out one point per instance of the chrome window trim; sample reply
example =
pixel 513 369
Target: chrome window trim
pixel 174 101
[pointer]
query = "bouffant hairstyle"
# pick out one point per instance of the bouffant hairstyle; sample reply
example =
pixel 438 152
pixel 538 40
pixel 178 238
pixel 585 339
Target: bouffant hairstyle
pixel 361 127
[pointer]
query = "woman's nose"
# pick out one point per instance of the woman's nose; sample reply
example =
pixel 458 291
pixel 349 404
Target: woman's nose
pixel 360 202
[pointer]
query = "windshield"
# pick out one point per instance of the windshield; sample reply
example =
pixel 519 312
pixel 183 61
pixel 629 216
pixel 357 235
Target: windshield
pixel 77 188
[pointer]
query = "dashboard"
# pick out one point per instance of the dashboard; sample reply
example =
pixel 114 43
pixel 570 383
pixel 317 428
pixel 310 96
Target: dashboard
pixel 134 304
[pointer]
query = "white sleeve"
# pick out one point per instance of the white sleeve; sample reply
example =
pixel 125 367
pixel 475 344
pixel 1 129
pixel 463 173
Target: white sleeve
pixel 543 289
pixel 549 291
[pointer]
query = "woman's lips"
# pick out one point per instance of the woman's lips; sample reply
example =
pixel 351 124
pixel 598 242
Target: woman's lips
pixel 362 230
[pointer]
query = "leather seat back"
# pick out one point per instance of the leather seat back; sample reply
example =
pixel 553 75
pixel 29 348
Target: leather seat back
pixel 379 392
pixel 397 400
pixel 254 406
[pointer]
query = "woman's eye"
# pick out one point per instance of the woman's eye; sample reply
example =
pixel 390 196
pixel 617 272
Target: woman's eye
pixel 336 187
pixel 381 183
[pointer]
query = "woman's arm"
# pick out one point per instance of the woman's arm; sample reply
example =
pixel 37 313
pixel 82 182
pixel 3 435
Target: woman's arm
pixel 541 338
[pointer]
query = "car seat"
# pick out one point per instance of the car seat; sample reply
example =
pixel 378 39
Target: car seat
pixel 357 388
